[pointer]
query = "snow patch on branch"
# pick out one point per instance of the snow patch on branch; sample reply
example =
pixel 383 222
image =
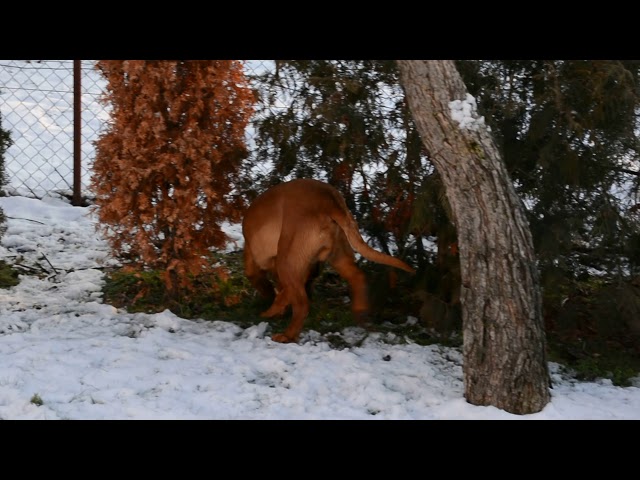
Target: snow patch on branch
pixel 465 112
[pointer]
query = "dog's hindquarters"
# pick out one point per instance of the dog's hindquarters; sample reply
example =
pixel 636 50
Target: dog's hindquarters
pixel 289 230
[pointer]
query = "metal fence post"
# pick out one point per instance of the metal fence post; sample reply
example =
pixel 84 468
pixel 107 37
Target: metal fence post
pixel 77 140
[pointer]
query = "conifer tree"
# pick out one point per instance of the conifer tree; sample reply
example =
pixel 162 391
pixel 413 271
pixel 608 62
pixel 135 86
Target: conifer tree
pixel 167 165
pixel 566 129
pixel 568 134
pixel 345 122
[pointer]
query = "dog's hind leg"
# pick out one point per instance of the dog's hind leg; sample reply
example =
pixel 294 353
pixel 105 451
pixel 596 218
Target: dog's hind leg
pixel 279 305
pixel 293 272
pixel 257 277
pixel 343 261
pixel 300 309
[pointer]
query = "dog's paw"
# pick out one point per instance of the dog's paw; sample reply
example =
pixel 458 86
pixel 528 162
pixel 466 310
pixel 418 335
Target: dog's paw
pixel 362 319
pixel 281 338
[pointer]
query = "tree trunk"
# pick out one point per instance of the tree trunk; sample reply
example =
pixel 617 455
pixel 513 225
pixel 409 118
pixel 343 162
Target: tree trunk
pixel 504 344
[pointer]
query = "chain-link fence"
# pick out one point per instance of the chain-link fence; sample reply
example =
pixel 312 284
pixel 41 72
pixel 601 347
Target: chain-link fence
pixel 36 102
pixel 37 107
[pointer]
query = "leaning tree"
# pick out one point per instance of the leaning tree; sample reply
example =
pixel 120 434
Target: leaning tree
pixel 503 331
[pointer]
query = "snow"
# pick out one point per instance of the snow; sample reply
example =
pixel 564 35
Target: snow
pixel 84 359
pixel 465 113
pixel 65 354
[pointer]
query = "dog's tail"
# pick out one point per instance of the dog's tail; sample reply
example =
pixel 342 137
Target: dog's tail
pixel 347 223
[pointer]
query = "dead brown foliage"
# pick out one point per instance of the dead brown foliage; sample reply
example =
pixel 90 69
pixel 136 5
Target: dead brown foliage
pixel 165 168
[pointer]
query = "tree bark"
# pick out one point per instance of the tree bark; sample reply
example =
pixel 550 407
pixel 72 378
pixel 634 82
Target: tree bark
pixel 504 344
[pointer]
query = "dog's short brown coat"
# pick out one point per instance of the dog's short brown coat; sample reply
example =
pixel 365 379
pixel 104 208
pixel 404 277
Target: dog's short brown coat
pixel 287 231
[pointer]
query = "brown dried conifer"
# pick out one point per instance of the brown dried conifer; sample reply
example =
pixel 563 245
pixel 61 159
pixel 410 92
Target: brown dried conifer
pixel 166 166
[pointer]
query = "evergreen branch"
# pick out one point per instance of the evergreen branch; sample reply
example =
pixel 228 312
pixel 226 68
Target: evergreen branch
pixel 627 171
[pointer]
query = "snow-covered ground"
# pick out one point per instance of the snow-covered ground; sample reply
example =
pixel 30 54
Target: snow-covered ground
pixel 67 355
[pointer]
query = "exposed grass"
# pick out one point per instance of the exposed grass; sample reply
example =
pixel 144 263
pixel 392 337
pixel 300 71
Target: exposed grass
pixel 36 400
pixel 592 328
pixel 329 315
pixel 593 357
pixel 617 366
pixel 8 275
pixel 576 336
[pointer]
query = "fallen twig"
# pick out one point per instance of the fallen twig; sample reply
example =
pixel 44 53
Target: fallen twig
pixel 54 268
pixel 26 219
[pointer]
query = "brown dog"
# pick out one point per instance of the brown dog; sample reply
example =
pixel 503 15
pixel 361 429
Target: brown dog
pixel 288 230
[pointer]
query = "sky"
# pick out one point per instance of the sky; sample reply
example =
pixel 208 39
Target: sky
pixel 65 354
